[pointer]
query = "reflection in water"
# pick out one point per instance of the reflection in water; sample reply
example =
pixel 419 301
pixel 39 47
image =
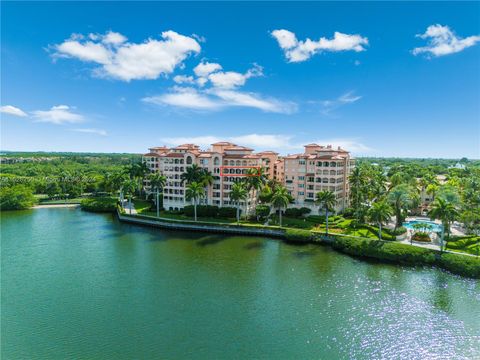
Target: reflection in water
pixel 81 285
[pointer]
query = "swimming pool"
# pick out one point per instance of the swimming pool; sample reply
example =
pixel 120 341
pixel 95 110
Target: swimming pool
pixel 434 226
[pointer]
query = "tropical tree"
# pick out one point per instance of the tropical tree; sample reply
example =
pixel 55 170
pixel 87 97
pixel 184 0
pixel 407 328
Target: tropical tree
pixel 255 181
pixel 326 200
pixel 239 193
pixel 400 198
pixel 193 193
pixel 432 190
pixel 128 188
pixel 207 179
pixel 445 211
pixel 157 182
pixel 137 172
pixel 358 191
pixel 280 200
pixel 192 174
pixel 380 213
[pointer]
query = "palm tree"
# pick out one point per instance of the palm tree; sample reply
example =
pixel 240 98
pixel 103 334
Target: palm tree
pixel 399 197
pixel 432 190
pixel 207 180
pixel 280 199
pixel 255 180
pixel 238 193
pixel 380 212
pixel 128 188
pixel 157 182
pixel 137 172
pixel 192 174
pixel 358 184
pixel 194 192
pixel 326 200
pixel 445 211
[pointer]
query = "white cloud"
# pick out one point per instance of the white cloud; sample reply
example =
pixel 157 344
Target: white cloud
pixel 58 115
pixel 92 131
pixel 205 68
pixel 127 61
pixel 297 51
pixel 232 79
pixel 188 98
pixel 183 79
pixel 12 110
pixel 279 142
pixel 443 41
pixel 216 99
pixel 329 105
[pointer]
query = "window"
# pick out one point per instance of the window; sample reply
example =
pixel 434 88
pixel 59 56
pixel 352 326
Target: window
pixel 301 193
pixel 189 160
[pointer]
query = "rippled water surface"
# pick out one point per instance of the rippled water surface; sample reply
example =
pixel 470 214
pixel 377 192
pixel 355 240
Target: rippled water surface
pixel 84 286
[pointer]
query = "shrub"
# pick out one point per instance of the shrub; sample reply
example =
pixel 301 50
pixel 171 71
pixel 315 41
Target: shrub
pixel 293 213
pixel 298 235
pixel 262 211
pixel 421 236
pixel 16 197
pixel 401 230
pixel 460 264
pixel 202 210
pixel 227 212
pixel 348 212
pixel 394 252
pixel 304 211
pixel 316 219
pixel 101 204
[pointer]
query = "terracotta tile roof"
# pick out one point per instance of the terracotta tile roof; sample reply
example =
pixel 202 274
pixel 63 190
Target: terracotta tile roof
pixel 175 155
pixel 151 154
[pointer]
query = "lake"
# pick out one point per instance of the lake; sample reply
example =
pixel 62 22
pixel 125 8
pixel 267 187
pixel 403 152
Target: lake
pixel 85 286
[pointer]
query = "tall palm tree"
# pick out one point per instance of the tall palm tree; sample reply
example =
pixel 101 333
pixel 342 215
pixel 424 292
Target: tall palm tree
pixel 128 188
pixel 326 200
pixel 157 182
pixel 137 172
pixel 432 190
pixel 400 198
pixel 380 212
pixel 358 184
pixel 280 200
pixel 255 180
pixel 207 180
pixel 445 211
pixel 194 192
pixel 192 174
pixel 239 192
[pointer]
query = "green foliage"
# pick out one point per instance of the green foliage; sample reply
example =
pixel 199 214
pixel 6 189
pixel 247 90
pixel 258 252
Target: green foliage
pixel 295 213
pixel 102 204
pixel 262 211
pixel 467 244
pixel 202 211
pixel 227 212
pixel 298 235
pixel 461 264
pixel 16 197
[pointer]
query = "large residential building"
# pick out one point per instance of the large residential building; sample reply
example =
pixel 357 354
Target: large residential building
pixel 319 168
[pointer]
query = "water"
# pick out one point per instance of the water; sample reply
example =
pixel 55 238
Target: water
pixel 80 285
pixel 433 227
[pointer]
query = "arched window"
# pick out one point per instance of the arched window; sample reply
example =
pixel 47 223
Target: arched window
pixel 216 161
pixel 232 163
pixel 325 163
pixel 238 163
pixel 189 160
pixel 333 164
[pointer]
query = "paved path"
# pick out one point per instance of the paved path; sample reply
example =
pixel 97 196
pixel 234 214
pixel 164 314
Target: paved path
pixel 126 206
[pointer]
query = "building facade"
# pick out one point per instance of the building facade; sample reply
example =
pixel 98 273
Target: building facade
pixel 318 168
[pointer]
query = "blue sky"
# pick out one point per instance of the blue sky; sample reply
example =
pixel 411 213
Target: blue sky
pixel 381 79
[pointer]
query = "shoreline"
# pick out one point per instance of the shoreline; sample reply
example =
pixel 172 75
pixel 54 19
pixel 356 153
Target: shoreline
pixel 45 206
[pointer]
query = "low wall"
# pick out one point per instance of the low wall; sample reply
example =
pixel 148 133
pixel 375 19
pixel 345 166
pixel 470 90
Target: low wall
pixel 225 229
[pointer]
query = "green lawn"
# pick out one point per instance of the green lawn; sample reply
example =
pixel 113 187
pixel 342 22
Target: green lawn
pixel 467 244
pixel 141 206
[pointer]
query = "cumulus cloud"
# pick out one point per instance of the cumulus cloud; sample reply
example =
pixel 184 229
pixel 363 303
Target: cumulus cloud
pixel 441 40
pixel 297 51
pixel 232 79
pixel 59 114
pixel 216 99
pixel 123 60
pixel 92 131
pixel 12 110
pixel 183 79
pixel 205 68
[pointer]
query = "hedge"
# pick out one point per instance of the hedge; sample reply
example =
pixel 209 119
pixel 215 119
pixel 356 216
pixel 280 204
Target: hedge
pixel 101 204
pixel 202 210
pixel 460 264
pixel 298 235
